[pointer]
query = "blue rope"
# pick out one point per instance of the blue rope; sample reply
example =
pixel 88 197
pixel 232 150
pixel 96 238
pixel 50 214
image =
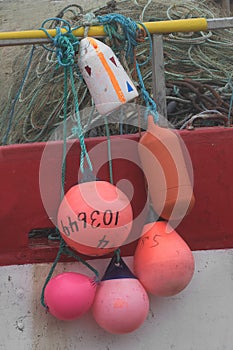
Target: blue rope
pixel 128 26
pixel 130 30
pixel 151 107
pixel 66 44
pixel 17 96
pixel 230 106
pixel 147 60
pixel 65 51
pixel 78 129
pixel 109 150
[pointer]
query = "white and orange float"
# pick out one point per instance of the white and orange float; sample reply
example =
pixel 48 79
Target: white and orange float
pixel 95 218
pixel 167 171
pixel 121 303
pixel 163 262
pixel 106 79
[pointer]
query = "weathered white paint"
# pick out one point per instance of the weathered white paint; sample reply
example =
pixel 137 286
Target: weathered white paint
pixel 199 318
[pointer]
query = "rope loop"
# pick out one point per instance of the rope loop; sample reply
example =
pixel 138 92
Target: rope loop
pixel 65 43
pixel 129 29
pixel 132 33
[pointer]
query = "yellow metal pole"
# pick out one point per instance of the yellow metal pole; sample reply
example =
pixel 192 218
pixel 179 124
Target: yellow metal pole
pixel 162 27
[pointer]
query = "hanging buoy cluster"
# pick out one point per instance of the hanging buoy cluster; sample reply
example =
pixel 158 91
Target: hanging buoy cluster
pixel 120 303
pixel 95 217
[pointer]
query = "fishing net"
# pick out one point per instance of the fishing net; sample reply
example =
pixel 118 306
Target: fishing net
pixel 198 73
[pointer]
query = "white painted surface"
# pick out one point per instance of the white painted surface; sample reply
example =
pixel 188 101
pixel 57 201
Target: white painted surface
pixel 199 318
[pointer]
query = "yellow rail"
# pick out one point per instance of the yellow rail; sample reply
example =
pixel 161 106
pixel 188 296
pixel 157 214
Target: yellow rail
pixel 163 27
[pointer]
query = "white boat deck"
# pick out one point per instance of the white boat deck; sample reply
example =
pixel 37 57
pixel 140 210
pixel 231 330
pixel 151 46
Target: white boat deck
pixel 199 318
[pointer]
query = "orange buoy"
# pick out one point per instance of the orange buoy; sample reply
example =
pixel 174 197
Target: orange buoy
pixel 163 262
pixel 166 170
pixel 95 218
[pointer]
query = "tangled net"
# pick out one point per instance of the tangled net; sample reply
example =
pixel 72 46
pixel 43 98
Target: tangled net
pixel 198 72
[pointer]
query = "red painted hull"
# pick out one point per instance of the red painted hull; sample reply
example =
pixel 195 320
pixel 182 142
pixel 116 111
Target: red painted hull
pixel 208 226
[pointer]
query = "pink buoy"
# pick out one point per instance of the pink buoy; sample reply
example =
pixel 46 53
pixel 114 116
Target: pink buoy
pixel 69 295
pixel 163 262
pixel 95 218
pixel 121 304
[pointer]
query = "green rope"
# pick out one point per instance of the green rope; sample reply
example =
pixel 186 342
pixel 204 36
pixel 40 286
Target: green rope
pixel 68 252
pixel 64 132
pixel 62 242
pixel 78 130
pixel 60 251
pixel 11 117
pixel 109 150
pixel 117 252
pixel 65 59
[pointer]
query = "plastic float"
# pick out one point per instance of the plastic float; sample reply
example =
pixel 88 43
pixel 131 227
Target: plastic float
pixel 95 218
pixel 163 262
pixel 121 303
pixel 162 155
pixel 107 81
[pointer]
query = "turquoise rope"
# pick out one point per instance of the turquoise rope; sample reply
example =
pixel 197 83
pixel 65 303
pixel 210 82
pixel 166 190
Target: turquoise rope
pixel 64 132
pixel 109 150
pixel 78 130
pixel 17 96
pixel 130 30
pixel 117 252
pixel 62 242
pixel 230 107
pixel 65 51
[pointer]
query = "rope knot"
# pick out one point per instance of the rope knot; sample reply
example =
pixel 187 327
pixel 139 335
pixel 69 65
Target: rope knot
pixel 141 35
pixel 66 47
pixel 128 27
pixel 65 43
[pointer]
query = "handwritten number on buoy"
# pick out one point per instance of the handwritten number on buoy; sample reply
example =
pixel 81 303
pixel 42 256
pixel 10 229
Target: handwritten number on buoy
pixel 116 218
pixel 93 219
pixel 107 217
pixel 83 217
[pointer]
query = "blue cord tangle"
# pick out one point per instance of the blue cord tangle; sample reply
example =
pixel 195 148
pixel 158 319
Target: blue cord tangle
pixel 66 44
pixel 130 30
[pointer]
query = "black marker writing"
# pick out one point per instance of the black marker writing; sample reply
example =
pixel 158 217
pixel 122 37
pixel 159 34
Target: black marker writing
pixel 93 219
pixel 103 242
pixel 155 240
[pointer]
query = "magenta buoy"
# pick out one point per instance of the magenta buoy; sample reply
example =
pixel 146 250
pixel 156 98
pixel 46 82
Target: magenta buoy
pixel 121 304
pixel 69 295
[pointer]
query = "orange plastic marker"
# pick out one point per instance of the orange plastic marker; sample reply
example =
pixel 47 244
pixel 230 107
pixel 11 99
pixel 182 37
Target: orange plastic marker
pixel 167 171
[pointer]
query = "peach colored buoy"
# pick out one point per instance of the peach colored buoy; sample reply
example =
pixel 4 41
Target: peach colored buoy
pixel 69 295
pixel 95 218
pixel 121 303
pixel 167 171
pixel 163 262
